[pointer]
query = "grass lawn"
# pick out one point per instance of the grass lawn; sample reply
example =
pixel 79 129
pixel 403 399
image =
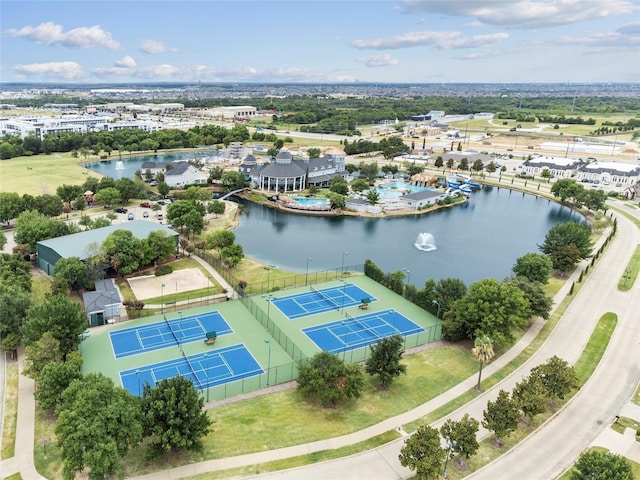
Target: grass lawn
pixel 635 467
pixel 40 174
pixel 10 410
pixel 283 418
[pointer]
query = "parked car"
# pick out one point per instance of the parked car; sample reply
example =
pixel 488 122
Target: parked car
pixel 153 183
pixel 145 214
pixel 160 216
pixel 130 216
pixel 145 204
pixel 120 210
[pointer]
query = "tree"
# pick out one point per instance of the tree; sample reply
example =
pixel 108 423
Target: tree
pixel 16 271
pixel 422 453
pixel 373 196
pixel 122 250
pixel 339 185
pixel 462 435
pixel 49 205
pixel 173 416
pixel 220 239
pixel 336 200
pixel 3 240
pixel 107 196
pixel 181 214
pixel 39 354
pixel 196 194
pixel 490 307
pixel 10 206
pixel 32 227
pixel 73 270
pixel 232 255
pixel 565 257
pixel 216 207
pixel 567 234
pixel 54 379
pixel 326 378
pixel 232 180
pixel 129 189
pixel 369 171
pixel 157 247
pixel 97 425
pixel 529 397
pixel 14 304
pixel 501 417
pixel 540 302
pixel 596 465
pixel 59 315
pixel 193 223
pixel 556 376
pixel 566 189
pixel 313 152
pixel 595 199
pixel 163 188
pixel 359 185
pixel 385 360
pixel 69 193
pixel 534 266
pixel 482 351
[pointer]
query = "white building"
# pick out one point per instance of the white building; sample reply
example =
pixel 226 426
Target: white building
pixel 183 174
pixel 559 167
pixel 624 174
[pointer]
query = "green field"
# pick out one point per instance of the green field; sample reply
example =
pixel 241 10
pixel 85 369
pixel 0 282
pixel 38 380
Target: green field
pixel 42 174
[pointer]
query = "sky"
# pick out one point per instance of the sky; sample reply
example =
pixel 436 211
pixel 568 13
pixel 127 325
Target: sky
pixel 318 41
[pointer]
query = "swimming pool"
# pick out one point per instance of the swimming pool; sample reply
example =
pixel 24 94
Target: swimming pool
pixel 310 201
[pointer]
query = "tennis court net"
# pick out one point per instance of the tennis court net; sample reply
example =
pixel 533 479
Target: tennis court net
pixel 326 298
pixel 171 330
pixel 186 359
pixel 372 332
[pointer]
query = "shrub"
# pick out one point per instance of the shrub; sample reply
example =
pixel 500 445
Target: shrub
pixel 163 270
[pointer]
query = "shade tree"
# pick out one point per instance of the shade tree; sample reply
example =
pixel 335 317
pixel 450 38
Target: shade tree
pixel 569 239
pixel 328 380
pixel 422 453
pixel 534 266
pixel 501 417
pixel 462 435
pixel 173 417
pixel 384 361
pixel 97 425
pixel 597 465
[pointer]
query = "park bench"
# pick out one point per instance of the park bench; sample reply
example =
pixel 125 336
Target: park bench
pixel 365 303
pixel 211 338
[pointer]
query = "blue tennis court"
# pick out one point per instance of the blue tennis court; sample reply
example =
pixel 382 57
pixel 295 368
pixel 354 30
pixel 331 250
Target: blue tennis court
pixel 205 370
pixel 360 331
pixel 174 331
pixel 319 301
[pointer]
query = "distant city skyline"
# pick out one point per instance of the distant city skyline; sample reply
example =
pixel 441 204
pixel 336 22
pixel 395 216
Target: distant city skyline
pixel 410 41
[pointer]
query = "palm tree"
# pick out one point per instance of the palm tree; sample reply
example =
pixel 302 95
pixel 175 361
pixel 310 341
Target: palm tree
pixel 483 352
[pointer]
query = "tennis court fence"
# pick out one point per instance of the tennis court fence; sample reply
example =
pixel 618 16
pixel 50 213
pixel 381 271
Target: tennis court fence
pixel 274 330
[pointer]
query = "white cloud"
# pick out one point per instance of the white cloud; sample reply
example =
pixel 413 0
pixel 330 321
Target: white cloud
pixel 126 62
pixel 378 60
pixel 81 37
pixel 524 13
pixel 62 70
pixel 153 47
pixel 410 39
pixel 440 40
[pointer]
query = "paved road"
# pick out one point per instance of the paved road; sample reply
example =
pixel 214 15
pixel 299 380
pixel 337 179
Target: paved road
pixel 555 446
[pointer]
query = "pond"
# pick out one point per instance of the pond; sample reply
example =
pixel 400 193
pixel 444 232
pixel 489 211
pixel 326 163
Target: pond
pixel 477 240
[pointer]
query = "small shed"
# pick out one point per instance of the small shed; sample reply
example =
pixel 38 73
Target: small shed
pixel 102 305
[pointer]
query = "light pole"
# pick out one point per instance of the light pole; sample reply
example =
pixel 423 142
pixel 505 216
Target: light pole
pixel 306 277
pixel 450 445
pixel 268 298
pixel 344 349
pixel 343 293
pixel 435 302
pixel 408 272
pixel 342 267
pixel 206 372
pixel 266 340
pixel 138 375
pixel 162 299
pixel 269 268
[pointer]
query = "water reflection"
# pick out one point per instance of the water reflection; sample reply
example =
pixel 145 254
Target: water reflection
pixel 478 241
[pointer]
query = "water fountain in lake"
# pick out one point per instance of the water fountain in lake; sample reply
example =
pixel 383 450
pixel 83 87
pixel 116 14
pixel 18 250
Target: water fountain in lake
pixel 119 165
pixel 425 242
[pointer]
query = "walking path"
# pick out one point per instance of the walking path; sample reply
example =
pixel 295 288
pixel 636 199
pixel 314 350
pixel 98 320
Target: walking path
pixel 382 463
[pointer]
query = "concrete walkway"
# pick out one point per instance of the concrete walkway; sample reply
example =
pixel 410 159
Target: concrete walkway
pixel 380 463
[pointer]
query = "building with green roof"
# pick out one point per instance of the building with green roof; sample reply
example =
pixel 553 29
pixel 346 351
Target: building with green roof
pixel 82 245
